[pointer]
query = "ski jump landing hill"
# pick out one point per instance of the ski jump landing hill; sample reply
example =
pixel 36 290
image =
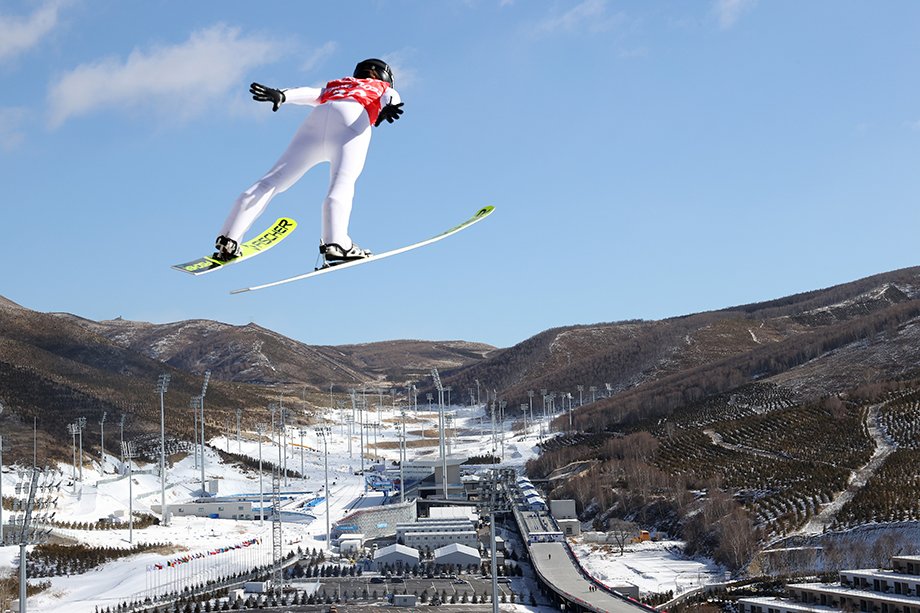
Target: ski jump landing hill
pixel 558 569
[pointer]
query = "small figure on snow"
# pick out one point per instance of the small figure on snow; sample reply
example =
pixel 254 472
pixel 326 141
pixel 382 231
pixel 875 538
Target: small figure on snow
pixel 337 131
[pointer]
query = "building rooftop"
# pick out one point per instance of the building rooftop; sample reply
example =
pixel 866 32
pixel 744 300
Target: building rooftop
pixel 791 605
pixel 455 548
pixel 435 461
pixel 396 548
pixel 840 590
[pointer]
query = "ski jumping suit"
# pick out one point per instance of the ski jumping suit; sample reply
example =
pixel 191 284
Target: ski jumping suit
pixel 337 131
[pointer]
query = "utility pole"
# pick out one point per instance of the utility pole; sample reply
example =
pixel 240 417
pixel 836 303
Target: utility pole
pixel 162 386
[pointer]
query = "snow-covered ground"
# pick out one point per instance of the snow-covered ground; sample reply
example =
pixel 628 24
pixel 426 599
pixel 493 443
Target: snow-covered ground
pixel 653 567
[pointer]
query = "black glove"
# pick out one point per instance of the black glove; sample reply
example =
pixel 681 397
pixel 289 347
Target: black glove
pixel 390 112
pixel 267 94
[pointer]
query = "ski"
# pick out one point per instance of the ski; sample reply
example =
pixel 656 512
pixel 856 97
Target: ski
pixel 477 217
pixel 263 242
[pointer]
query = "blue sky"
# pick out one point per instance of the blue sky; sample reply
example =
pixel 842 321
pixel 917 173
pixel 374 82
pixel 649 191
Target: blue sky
pixel 646 159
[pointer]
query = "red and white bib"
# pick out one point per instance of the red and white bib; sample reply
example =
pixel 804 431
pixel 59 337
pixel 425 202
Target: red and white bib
pixel 365 91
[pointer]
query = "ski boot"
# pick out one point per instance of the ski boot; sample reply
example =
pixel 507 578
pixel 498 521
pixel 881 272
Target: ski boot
pixel 226 249
pixel 333 253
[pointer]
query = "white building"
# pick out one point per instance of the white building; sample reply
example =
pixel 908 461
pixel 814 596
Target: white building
pixel 452 513
pixel 395 556
pixel 896 590
pixel 563 512
pixel 221 509
pixel 458 555
pixel 455 487
pixel 429 541
pixel 562 509
pixel 351 543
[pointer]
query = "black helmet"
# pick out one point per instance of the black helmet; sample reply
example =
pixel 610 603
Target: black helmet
pixel 362 70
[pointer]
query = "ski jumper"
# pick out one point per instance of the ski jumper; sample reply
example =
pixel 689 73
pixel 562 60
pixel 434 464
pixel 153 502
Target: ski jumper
pixel 337 131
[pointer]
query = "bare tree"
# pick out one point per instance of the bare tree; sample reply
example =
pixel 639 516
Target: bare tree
pixel 622 532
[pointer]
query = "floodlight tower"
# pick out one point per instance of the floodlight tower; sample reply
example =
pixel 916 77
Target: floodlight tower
pixel 39 490
pixel 530 401
pixel 204 390
pixel 260 428
pixel 284 415
pixel 324 433
pixel 543 392
pixel 128 452
pixel 569 395
pixel 580 389
pixel 239 448
pixel 402 458
pixel 350 420
pixel 437 384
pixel 1 481
pixel 498 486
pixel 102 442
pixel 302 431
pixel 81 423
pixel 74 429
pixel 593 390
pixel 162 386
pixel 195 405
pixel 362 410
pixel 121 438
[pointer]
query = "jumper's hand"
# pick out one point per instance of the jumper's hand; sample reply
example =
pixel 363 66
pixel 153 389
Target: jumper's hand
pixel 390 112
pixel 267 94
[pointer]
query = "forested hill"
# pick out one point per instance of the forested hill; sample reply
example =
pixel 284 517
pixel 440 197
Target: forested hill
pixel 810 344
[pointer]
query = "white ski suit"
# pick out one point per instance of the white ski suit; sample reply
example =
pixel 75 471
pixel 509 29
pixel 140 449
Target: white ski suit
pixel 337 131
